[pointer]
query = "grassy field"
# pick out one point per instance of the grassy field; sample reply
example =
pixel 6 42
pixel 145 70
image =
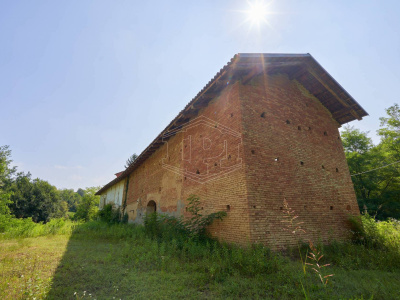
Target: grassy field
pixel 100 261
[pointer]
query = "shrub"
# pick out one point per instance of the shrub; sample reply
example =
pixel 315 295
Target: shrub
pixel 110 215
pixel 383 235
pixel 163 227
pixel 198 223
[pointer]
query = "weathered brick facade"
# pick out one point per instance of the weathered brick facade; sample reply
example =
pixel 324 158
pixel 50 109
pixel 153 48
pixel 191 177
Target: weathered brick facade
pixel 252 138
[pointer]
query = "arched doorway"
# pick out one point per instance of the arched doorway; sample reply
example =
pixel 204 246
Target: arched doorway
pixel 151 207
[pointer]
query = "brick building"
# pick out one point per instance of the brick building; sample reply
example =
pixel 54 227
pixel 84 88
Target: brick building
pixel 263 130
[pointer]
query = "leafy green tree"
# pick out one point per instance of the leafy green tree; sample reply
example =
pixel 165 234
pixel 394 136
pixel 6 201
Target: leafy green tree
pixel 80 192
pixel 361 157
pixel 131 160
pixel 35 198
pixel 89 206
pixel 376 180
pixel 71 198
pixel 5 174
pixel 6 171
pixel 390 132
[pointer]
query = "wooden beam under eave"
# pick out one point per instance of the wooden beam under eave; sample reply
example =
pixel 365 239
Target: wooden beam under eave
pixel 333 93
pixel 342 112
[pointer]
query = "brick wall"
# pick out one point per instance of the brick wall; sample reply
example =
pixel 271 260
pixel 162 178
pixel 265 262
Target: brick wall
pixel 292 151
pixel 250 148
pixel 157 178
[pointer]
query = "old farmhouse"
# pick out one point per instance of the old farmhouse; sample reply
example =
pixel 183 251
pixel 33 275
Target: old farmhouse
pixel 263 130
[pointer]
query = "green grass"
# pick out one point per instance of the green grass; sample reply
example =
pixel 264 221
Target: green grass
pixel 99 261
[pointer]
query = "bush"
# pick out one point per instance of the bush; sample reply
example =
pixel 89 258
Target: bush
pixel 384 235
pixel 163 227
pixel 112 216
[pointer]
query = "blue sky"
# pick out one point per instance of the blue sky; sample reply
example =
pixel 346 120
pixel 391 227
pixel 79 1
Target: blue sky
pixel 84 84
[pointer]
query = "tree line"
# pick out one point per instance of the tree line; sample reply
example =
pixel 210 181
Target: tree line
pixel 24 197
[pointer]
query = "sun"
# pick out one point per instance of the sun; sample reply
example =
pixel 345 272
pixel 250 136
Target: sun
pixel 257 12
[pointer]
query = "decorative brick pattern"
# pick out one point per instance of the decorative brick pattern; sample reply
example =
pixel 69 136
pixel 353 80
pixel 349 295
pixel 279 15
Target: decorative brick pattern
pixel 289 148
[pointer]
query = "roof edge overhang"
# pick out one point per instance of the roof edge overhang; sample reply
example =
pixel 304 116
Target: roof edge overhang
pixel 245 66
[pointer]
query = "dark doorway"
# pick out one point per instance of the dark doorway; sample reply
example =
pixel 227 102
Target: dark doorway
pixel 151 207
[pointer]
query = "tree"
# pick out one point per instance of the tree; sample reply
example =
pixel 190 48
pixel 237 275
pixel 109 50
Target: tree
pixel 5 174
pixel 376 181
pixel 6 171
pixel 131 160
pixel 390 131
pixel 71 198
pixel 35 198
pixel 87 209
pixel 80 192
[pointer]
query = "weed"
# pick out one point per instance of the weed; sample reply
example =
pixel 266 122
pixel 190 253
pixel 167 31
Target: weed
pixel 315 256
pixel 110 215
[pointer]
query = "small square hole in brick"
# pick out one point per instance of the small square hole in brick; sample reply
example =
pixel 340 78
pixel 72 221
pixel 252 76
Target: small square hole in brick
pixel 254 206
pixel 337 170
pixel 299 127
pixel 287 122
pixel 331 207
pixel 302 163
pixel 348 207
pixel 325 133
pixel 262 114
pixel 228 208
pixel 309 128
pixel 323 167
pixel 281 208
pixel 215 164
pixel 253 152
pixel 185 177
pixel 197 172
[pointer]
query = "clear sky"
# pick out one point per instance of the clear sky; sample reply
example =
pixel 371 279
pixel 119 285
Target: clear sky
pixel 84 84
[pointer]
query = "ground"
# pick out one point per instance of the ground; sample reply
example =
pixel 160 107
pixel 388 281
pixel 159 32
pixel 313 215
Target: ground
pixel 87 264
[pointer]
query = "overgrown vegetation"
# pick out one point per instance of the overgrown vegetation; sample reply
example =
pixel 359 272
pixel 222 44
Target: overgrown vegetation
pixel 112 216
pixel 163 227
pixel 123 261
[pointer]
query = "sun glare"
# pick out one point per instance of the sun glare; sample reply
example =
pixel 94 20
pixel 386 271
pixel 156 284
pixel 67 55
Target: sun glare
pixel 257 12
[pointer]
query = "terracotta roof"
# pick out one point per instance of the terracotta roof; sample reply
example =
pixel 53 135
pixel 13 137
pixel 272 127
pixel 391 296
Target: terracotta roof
pixel 244 66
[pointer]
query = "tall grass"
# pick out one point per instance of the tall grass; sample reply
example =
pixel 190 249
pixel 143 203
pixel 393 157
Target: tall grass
pixel 22 228
pixel 125 253
pixel 375 246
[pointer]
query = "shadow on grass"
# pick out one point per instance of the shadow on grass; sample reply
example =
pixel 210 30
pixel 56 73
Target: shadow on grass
pixel 118 261
pixel 104 261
